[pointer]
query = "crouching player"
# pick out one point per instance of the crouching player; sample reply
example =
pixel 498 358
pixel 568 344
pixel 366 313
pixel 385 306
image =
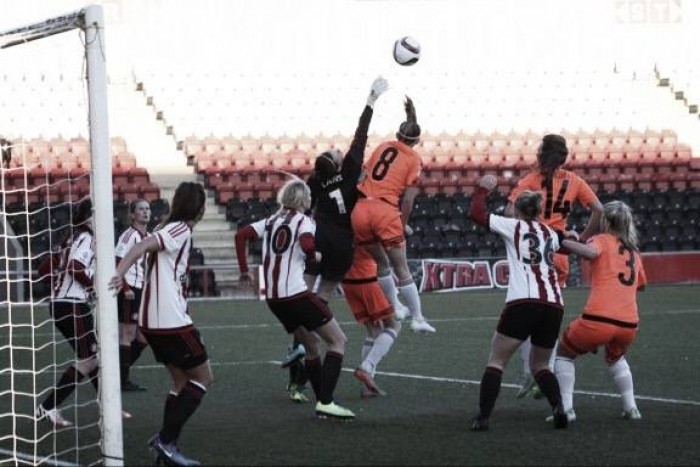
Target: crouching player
pixel 610 317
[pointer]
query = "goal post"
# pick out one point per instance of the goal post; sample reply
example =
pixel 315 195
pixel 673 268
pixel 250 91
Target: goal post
pixel 91 21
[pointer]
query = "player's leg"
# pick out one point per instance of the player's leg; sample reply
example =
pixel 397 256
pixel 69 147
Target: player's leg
pixel 365 217
pixel 527 382
pixel 545 325
pixel 578 338
pixel 335 341
pixel 502 348
pixel 620 370
pixel 189 385
pixel 407 286
pixel 385 335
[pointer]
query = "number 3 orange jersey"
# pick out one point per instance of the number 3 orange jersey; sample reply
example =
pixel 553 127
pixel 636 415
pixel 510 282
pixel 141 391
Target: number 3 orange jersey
pixel 616 274
pixel 557 199
pixel 391 168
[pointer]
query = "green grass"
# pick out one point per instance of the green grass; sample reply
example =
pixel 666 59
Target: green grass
pixel 246 418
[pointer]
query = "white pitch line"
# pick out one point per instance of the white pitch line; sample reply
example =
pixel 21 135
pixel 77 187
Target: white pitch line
pixel 441 379
pixel 495 317
pixel 32 459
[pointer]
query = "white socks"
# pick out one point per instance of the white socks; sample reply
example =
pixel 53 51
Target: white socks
pixel 367 345
pixel 409 292
pixel 622 374
pixel 565 371
pixel 525 356
pixel 382 345
pixel 389 287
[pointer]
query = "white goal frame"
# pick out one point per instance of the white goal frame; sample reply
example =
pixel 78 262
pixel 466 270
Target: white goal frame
pixel 91 20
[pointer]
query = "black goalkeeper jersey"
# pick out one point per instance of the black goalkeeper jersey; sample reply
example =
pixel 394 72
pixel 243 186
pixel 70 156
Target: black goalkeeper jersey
pixel 333 199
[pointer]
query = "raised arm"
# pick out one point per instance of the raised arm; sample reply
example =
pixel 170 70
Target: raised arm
pixel 356 152
pixel 594 222
pixel 478 210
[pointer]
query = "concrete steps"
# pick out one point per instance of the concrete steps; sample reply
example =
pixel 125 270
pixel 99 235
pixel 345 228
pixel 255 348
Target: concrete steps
pixel 156 151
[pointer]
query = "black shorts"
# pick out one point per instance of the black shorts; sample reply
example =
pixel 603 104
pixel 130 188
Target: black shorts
pixel 129 309
pixel 537 320
pixel 336 247
pixel 304 309
pixel 183 347
pixel 77 324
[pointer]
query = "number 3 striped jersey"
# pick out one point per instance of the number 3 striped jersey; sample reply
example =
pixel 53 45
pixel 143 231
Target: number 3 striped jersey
pixel 391 168
pixel 530 247
pixel 283 237
pixel 557 199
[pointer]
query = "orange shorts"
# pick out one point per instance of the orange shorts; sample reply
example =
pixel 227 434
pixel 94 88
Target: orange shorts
pixel 561 265
pixel 374 220
pixel 583 336
pixel 367 302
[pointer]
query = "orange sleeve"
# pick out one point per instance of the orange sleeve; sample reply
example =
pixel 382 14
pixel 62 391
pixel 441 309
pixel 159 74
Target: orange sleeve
pixel 528 182
pixel 596 243
pixel 584 193
pixel 414 170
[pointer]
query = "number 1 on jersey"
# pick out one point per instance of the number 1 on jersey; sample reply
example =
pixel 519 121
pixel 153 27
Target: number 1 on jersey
pixel 337 195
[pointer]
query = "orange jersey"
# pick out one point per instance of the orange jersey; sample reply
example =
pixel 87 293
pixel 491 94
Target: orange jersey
pixel 616 274
pixel 391 168
pixel 363 265
pixel 566 189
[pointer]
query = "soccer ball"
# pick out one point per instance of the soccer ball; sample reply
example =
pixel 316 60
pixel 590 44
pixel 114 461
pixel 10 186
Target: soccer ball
pixel 406 51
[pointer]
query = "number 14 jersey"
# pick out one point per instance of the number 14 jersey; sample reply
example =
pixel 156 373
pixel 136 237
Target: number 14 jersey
pixel 557 199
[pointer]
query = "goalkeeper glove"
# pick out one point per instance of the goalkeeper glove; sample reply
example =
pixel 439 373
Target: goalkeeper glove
pixel 379 86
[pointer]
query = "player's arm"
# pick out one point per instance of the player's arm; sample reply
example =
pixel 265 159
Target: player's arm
pixel 356 153
pixel 407 201
pixel 585 251
pixel 587 197
pixel 478 210
pixel 243 236
pixel 148 245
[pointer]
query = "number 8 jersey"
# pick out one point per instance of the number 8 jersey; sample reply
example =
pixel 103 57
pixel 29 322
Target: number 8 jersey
pixel 530 247
pixel 283 236
pixel 391 168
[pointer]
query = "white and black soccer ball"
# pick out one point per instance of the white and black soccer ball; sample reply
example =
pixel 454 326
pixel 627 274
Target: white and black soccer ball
pixel 406 51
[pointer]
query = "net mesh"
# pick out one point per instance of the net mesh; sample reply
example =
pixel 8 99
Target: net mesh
pixel 45 171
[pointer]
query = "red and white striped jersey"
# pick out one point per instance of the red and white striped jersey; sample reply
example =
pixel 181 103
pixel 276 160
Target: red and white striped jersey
pixel 164 303
pixel 80 249
pixel 130 237
pixel 530 246
pixel 283 256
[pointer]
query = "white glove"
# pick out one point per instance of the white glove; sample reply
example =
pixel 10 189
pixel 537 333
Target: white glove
pixel 379 86
pixel 408 230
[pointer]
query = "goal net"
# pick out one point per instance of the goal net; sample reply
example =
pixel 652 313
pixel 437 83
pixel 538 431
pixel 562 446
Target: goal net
pixel 55 152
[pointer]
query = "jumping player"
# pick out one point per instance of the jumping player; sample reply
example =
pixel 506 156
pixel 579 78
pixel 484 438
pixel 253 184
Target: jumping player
pixel 379 221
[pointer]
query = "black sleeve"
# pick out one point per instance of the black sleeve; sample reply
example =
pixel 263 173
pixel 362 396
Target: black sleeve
pixel 314 186
pixel 352 163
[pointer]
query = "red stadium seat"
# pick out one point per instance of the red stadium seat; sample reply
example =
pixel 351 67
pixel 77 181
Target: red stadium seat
pixel 192 145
